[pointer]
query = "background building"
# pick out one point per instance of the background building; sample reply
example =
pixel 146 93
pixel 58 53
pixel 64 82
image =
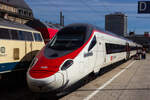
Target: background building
pixel 15 10
pixel 116 23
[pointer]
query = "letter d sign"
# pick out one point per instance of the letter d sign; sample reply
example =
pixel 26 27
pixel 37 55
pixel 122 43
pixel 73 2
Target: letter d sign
pixel 142 6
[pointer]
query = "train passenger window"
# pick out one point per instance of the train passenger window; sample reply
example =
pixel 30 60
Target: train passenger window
pixel 37 37
pixel 4 34
pixel 93 42
pixel 21 35
pixel 14 35
pixel 114 48
pixel 28 36
pixel 25 36
pixel 133 48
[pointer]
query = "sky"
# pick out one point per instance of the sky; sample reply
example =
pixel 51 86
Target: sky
pixel 90 11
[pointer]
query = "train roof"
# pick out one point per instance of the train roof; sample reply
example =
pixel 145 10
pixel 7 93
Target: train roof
pixel 89 26
pixel 7 23
pixel 113 34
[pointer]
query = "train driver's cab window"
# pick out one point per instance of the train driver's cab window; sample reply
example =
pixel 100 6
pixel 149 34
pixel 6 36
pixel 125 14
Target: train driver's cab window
pixel 93 43
pixel 37 37
pixel 69 38
pixel 4 34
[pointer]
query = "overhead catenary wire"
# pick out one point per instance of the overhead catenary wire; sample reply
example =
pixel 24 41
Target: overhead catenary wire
pixel 91 8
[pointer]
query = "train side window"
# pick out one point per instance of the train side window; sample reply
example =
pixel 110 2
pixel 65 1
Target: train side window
pixel 93 42
pixel 4 34
pixel 14 35
pixel 108 48
pixel 133 48
pixel 28 36
pixel 25 36
pixel 37 37
pixel 21 35
pixel 114 48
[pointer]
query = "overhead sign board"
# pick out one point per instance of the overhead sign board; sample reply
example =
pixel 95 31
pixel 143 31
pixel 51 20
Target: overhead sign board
pixel 144 7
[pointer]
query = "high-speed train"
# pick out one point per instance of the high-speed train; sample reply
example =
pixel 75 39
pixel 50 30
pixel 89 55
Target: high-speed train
pixel 76 51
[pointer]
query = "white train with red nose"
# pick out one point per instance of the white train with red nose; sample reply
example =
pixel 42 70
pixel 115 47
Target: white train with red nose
pixel 76 51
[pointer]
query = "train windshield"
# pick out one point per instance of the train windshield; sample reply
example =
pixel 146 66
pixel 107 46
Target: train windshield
pixel 69 38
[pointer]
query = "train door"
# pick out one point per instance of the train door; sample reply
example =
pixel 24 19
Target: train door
pixel 100 56
pixel 127 51
pixel 90 56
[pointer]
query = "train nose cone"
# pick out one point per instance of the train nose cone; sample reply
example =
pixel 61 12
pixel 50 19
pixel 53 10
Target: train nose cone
pixel 52 83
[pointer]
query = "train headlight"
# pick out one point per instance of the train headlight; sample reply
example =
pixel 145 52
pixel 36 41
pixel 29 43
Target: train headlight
pixel 67 64
pixel 34 61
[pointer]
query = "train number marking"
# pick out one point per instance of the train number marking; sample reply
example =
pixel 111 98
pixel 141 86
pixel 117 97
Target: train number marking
pixel 88 54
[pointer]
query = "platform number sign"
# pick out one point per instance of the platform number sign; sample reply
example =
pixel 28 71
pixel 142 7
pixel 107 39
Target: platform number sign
pixel 144 7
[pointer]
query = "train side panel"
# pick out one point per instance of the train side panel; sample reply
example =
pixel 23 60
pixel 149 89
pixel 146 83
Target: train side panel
pixel 11 55
pixel 113 57
pixel 100 53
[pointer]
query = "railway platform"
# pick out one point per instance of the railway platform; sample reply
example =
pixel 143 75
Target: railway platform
pixel 128 81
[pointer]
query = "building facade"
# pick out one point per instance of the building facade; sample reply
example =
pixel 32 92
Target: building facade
pixel 116 23
pixel 16 11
